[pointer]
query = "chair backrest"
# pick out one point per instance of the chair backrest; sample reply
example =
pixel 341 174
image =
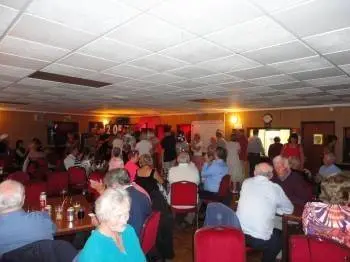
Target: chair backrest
pixel 225 186
pixel 149 232
pixel 218 214
pixel 312 249
pixel 77 176
pixel 183 193
pixel 56 183
pixel 38 168
pixel 19 176
pixel 224 244
pixel 32 192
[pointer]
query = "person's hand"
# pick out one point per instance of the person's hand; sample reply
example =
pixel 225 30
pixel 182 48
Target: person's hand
pixel 94 220
pixel 97 185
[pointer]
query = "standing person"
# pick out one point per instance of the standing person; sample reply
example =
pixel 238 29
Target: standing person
pixel 331 141
pixel 116 161
pixel 233 162
pixel 35 153
pixel 197 149
pixel 293 149
pixel 181 143
pixel 20 153
pixel 118 141
pixel 132 165
pixel 275 148
pixel 243 142
pixel 259 201
pixel 144 146
pixel 254 149
pixel 212 146
pixel 169 150
pixel 220 140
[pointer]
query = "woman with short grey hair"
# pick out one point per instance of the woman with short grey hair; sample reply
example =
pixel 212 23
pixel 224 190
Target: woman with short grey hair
pixel 114 239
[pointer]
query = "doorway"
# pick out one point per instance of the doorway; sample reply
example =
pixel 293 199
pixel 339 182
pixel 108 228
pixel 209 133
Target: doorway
pixel 313 135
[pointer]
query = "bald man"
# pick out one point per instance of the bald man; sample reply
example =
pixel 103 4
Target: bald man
pixel 259 201
pixel 17 227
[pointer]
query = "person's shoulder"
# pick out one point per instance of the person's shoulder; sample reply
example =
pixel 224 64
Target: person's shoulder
pixel 129 231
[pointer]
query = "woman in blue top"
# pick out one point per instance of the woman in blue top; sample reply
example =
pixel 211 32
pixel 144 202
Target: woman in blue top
pixel 113 240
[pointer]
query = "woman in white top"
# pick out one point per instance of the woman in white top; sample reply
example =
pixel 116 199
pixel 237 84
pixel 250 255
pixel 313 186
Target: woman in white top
pixel 197 149
pixel 234 164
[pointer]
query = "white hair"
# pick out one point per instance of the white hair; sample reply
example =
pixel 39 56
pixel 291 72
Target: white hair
pixel 263 169
pixel 11 196
pixel 183 157
pixel 282 160
pixel 109 203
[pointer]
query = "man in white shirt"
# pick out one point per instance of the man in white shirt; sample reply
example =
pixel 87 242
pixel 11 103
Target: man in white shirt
pixel 259 201
pixel 72 159
pixel 144 146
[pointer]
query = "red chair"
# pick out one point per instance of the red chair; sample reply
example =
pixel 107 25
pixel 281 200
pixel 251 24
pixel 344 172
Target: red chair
pixel 95 176
pixel 38 168
pixel 184 198
pixel 19 176
pixel 77 178
pixel 225 190
pixel 224 244
pixel 149 232
pixel 56 183
pixel 32 192
pixel 311 249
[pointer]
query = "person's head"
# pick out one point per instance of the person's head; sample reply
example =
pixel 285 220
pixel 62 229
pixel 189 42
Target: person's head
pixel 255 132
pixel 143 136
pixel 332 140
pixel 117 178
pixel 112 209
pixel 329 159
pixel 35 145
pixel 19 143
pixel 74 151
pixel 277 139
pixel 70 136
pixel 281 165
pixel 263 169
pixel 294 163
pixel 116 151
pixel 221 153
pixel 167 129
pixel 234 137
pixel 134 156
pixel 11 196
pixel 146 160
pixel 213 140
pixel 119 135
pixel 183 158
pixel 219 134
pixel 196 137
pixel 293 139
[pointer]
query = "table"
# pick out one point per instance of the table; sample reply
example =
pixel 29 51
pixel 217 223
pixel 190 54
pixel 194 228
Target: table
pixel 63 226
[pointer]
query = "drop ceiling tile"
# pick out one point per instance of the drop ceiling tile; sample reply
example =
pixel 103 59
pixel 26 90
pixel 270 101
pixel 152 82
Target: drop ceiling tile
pixel 113 50
pixel 144 32
pixel 216 79
pixel 187 84
pixel 15 71
pixel 256 72
pixel 193 15
pixel 32 82
pixel 273 80
pixel 8 78
pixel 340 92
pixel 331 42
pixel 4 83
pixel 51 33
pixel 88 62
pixel 254 90
pixel 136 84
pixel 67 70
pixel 277 5
pixel 195 51
pixel 190 72
pixel 346 68
pixel 91 16
pixel 334 87
pixel 339 58
pixel 7 15
pixel 142 4
pixel 304 64
pixel 282 52
pixel 229 63
pixel 316 17
pixel 334 80
pixel 158 62
pixel 322 97
pixel 17 4
pixel 21 47
pixel 163 78
pixel 13 60
pixel 237 85
pixel 292 85
pixel 255 34
pixel 107 78
pixel 302 91
pixel 319 73
pixel 131 71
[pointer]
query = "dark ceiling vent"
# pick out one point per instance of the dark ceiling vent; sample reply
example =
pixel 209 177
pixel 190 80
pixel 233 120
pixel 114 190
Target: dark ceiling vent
pixel 67 79
pixel 13 103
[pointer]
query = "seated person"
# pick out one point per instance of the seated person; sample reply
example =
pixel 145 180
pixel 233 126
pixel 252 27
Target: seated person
pixel 295 165
pixel 329 168
pixel 73 159
pixel 140 204
pixel 296 188
pixel 35 152
pixel 132 165
pixel 259 201
pixel 114 239
pixel 212 173
pixel 17 227
pixel 336 189
pixel 116 161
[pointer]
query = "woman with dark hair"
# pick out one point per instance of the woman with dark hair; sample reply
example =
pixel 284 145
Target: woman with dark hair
pixel 20 152
pixel 35 152
pixel 294 149
pixel 329 147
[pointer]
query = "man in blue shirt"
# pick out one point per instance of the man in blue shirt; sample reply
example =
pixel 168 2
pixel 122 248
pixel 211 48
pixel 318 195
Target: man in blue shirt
pixel 212 173
pixel 18 228
pixel 329 168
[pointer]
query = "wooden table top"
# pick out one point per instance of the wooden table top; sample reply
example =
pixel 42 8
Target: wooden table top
pixel 63 226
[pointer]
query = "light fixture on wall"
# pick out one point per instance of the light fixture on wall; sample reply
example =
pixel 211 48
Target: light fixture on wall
pixel 105 121
pixel 234 119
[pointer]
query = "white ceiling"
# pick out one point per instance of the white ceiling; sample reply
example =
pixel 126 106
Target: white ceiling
pixel 159 55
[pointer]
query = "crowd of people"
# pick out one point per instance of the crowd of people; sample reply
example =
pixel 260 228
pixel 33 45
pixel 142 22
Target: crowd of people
pixel 140 171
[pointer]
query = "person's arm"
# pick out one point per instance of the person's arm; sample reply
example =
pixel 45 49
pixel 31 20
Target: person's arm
pixel 135 243
pixel 97 185
pixel 302 157
pixel 25 164
pixel 284 205
pixel 19 153
pixel 158 177
pixel 205 170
